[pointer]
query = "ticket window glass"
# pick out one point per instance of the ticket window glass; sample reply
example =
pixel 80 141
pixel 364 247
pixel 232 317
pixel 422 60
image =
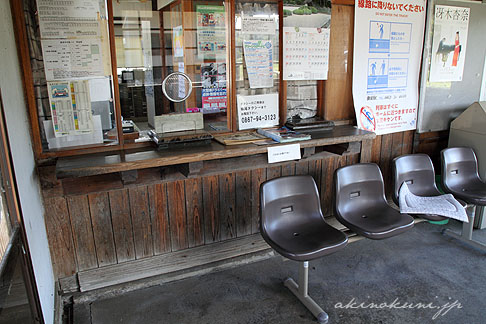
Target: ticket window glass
pixel 152 42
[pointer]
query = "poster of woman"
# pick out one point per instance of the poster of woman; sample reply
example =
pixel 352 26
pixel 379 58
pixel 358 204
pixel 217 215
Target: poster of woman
pixel 449 43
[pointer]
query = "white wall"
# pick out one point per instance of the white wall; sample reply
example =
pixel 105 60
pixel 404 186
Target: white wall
pixel 24 167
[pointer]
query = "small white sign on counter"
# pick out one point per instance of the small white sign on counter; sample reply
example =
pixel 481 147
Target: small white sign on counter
pixel 283 153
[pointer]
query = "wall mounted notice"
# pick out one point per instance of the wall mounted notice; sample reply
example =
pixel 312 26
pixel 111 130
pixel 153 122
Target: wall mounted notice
pixel 259 63
pixel 211 32
pixel 213 79
pixel 305 53
pixel 388 38
pixel 257 25
pixel 257 111
pixel 66 19
pixel 449 43
pixel 70 107
pixel 70 59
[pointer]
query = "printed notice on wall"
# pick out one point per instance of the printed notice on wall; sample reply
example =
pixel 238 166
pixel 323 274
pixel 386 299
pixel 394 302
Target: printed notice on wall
pixel 70 107
pixel 257 111
pixel 259 63
pixel 305 53
pixel 69 59
pixel 66 19
pixel 258 25
pixel 211 32
pixel 388 42
pixel 449 43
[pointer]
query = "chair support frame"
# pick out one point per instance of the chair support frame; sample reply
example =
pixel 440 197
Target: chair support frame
pixel 467 230
pixel 301 291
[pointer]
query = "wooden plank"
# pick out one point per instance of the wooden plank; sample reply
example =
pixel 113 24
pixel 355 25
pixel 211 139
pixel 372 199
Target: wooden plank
pixel 177 215
pixel 274 172
pixel 243 203
pixel 302 167
pixel 122 225
pixel 159 216
pixel 82 232
pixel 149 158
pixel 176 261
pixel 315 170
pixel 288 169
pixel 407 142
pixel 385 159
pixel 211 209
pixel 142 230
pixel 85 185
pixel 227 206
pixel 194 211
pixel 366 151
pixel 376 150
pixel 60 237
pixel 338 98
pixel 352 159
pixel 99 207
pixel 258 176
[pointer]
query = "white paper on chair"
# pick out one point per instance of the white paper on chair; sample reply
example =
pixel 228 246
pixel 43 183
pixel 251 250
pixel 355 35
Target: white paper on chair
pixel 444 205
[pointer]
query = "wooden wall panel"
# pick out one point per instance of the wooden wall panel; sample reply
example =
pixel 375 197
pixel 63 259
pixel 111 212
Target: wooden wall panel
pixel 243 203
pixel 258 176
pixel 194 212
pixel 274 172
pixel 122 225
pixel 82 232
pixel 99 207
pixel 142 229
pixel 302 168
pixel 338 98
pixel 288 169
pixel 227 206
pixel 60 237
pixel 211 209
pixel 159 216
pixel 315 170
pixel 177 215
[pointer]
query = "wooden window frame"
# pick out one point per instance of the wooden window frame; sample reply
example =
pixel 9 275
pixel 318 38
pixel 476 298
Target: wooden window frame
pixel 24 58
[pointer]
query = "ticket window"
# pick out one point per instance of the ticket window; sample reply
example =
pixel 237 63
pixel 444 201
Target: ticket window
pixel 152 42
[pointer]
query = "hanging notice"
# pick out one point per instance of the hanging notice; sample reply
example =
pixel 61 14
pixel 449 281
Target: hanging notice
pixel 66 19
pixel 70 107
pixel 259 63
pixel 177 37
pixel 305 53
pixel 257 25
pixel 387 52
pixel 213 79
pixel 211 32
pixel 449 43
pixel 257 111
pixel 69 59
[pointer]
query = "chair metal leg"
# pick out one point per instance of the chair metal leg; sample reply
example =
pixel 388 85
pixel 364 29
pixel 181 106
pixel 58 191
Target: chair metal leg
pixel 300 290
pixel 467 230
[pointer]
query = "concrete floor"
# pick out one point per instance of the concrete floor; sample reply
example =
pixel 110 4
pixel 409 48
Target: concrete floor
pixel 419 266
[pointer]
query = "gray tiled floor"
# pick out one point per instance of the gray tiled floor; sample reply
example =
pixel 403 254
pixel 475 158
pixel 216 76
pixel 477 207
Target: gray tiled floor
pixel 419 266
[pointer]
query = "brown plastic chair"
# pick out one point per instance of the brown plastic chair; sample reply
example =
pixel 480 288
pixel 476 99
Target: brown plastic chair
pixel 291 222
pixel 417 171
pixel 361 204
pixel 460 177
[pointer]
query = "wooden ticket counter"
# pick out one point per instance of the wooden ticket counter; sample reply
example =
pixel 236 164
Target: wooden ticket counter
pixel 115 218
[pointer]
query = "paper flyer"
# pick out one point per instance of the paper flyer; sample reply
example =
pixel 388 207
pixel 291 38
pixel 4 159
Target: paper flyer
pixel 177 39
pixel 70 105
pixel 449 43
pixel 259 63
pixel 305 53
pixel 388 42
pixel 213 79
pixel 211 31
pixel 258 25
pixel 67 19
